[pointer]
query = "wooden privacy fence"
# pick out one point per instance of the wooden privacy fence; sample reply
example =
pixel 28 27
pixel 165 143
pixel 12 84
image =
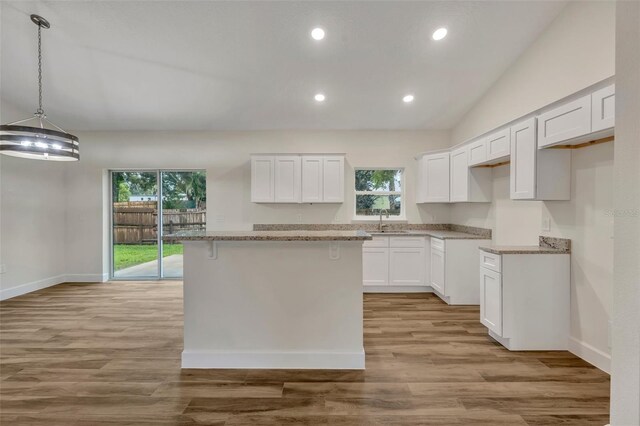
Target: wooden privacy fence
pixel 136 222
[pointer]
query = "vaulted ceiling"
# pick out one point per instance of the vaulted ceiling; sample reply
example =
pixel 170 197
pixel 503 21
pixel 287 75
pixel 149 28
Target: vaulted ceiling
pixel 187 65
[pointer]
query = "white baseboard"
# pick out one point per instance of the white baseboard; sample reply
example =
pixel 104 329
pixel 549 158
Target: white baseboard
pixel 21 289
pixel 87 278
pixel 397 289
pixel 274 360
pixel 594 356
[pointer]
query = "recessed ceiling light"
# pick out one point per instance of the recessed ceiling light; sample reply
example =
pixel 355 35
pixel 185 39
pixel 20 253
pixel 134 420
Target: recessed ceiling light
pixel 439 34
pixel 319 97
pixel 317 33
pixel 407 98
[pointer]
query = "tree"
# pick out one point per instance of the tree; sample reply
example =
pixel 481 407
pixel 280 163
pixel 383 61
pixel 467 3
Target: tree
pixel 183 189
pixel 123 193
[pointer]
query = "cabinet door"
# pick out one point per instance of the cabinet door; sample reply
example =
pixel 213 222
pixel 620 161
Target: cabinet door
pixel 477 152
pixel 312 179
pixel 262 179
pixel 565 122
pixel 491 300
pixel 375 266
pixel 499 144
pixel 437 271
pixel 437 178
pixel 459 175
pixel 333 180
pixel 523 160
pixel 406 266
pixel 603 108
pixel 287 179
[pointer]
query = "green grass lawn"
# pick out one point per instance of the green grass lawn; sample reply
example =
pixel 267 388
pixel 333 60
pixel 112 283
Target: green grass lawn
pixel 125 255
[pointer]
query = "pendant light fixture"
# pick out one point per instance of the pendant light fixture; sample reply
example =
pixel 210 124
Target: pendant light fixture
pixel 45 141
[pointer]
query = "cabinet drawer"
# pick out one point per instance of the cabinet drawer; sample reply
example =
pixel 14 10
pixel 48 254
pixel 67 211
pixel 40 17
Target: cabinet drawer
pixel 437 244
pixel 406 242
pixel 377 242
pixel 490 261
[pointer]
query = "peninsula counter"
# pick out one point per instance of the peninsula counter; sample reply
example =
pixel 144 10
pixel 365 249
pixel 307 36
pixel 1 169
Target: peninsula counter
pixel 273 299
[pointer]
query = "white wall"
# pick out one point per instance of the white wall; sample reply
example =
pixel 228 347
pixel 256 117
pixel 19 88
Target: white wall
pixel 576 51
pixel 225 156
pixel 32 221
pixel 625 380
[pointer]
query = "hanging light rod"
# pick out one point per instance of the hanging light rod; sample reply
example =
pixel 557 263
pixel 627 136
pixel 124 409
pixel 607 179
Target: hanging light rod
pixel 46 141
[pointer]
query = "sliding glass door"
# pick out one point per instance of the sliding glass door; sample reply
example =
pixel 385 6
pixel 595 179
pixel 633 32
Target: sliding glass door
pixel 144 210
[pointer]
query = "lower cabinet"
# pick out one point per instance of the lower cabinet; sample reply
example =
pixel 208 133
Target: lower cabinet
pixel 437 270
pixel 491 300
pixel 525 299
pixel 406 266
pixel 394 262
pixel 375 266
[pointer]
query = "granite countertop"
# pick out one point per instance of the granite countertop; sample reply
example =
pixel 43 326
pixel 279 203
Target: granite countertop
pixel 443 235
pixel 522 250
pixel 268 236
pixel 436 230
pixel 546 245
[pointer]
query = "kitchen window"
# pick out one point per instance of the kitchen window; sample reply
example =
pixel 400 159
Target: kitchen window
pixel 379 190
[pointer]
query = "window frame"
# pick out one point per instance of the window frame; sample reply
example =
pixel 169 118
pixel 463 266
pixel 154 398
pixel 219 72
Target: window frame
pixel 401 193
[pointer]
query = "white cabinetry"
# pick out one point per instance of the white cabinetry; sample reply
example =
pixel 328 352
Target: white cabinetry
pixel 537 174
pixel 333 179
pixel 294 178
pixel 437 266
pixel 587 118
pixel 524 300
pixel 498 145
pixel 603 108
pixel 262 178
pixel 568 121
pixel 394 261
pixel 478 152
pixel 433 173
pixel 312 179
pixel 468 184
pixel 453 276
pixel 287 179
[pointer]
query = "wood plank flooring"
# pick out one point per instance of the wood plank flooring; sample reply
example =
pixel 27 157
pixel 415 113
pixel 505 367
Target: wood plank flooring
pixel 109 354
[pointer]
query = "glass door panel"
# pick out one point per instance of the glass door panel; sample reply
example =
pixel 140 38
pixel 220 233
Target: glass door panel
pixel 135 224
pixel 184 202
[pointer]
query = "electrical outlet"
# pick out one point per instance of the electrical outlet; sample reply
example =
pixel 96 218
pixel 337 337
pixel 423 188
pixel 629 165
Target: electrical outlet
pixel 299 217
pixel 3 268
pixel 546 224
pixel 220 218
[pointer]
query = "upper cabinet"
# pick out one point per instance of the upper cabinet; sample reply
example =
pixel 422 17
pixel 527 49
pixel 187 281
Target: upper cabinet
pixel 586 118
pixel 478 152
pixel 294 178
pixel 537 174
pixel 468 184
pixel 287 179
pixel 433 178
pixel 603 108
pixel 499 145
pixel 262 178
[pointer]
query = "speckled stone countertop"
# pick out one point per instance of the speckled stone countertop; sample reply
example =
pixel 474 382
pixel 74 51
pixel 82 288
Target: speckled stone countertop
pixel 437 230
pixel 547 245
pixel 443 235
pixel 329 235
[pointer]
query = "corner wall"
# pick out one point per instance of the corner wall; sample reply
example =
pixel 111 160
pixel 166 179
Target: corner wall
pixel 575 51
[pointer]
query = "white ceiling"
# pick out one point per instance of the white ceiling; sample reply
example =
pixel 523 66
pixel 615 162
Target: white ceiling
pixel 182 65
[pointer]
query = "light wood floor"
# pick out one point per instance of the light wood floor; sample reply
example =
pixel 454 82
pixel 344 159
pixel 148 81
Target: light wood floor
pixel 109 354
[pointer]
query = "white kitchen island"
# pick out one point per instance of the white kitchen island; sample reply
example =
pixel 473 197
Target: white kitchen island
pixel 273 299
